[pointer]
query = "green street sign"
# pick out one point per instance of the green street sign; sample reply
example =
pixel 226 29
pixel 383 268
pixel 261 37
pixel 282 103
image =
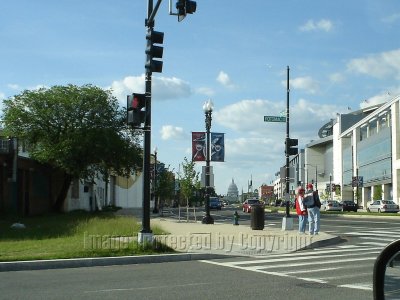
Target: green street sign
pixel 274 119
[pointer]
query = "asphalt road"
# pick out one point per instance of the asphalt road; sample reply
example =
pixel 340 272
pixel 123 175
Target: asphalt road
pixel 341 271
pixel 179 280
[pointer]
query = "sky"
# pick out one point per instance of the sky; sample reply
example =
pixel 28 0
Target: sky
pixel 343 55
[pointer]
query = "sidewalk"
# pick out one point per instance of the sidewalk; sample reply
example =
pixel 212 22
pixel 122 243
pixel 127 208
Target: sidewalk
pixel 228 239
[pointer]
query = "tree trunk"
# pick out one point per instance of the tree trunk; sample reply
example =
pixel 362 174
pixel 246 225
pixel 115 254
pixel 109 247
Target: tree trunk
pixel 62 194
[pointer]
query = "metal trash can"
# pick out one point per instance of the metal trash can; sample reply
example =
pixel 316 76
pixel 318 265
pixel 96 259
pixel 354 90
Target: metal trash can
pixel 257 217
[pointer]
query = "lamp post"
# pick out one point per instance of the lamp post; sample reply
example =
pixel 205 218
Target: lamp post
pixel 207 107
pixel 330 186
pixel 155 185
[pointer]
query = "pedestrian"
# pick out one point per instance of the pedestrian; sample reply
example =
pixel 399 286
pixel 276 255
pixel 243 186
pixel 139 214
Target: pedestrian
pixel 311 201
pixel 301 210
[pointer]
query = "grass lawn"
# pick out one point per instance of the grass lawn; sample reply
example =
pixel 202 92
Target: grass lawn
pixel 71 235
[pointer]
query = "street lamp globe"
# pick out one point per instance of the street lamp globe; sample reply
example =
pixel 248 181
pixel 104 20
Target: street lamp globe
pixel 208 106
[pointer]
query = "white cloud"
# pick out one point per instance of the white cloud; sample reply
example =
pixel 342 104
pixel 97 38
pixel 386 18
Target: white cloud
pixel 246 115
pixel 321 25
pixel 169 132
pixel 162 87
pixel 224 79
pixel 380 98
pixel 392 18
pixel 205 91
pixel 13 86
pixel 304 83
pixel 336 78
pixel 382 65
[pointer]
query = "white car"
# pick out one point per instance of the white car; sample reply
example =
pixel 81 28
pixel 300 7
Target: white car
pixel 330 205
pixel 383 206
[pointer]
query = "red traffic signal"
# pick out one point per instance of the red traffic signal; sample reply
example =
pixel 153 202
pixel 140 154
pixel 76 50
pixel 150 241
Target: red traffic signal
pixel 135 115
pixel 136 101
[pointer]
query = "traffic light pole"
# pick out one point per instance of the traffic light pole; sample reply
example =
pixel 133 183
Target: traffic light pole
pixel 146 235
pixel 287 141
pixel 287 221
pixel 152 51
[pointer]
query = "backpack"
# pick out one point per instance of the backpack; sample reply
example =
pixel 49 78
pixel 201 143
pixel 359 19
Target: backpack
pixel 317 202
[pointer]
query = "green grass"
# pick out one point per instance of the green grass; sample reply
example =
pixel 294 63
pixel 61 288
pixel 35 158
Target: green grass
pixel 71 235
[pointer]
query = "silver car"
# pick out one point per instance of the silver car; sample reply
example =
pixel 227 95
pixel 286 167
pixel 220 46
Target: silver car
pixel 330 205
pixel 383 206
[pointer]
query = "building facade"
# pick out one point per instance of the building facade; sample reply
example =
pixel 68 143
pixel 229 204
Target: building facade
pixel 357 157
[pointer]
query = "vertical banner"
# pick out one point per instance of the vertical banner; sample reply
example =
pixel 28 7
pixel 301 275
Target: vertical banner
pixel 217 147
pixel 199 146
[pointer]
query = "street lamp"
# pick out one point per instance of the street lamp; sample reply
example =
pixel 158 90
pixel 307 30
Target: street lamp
pixel 208 107
pixel 155 186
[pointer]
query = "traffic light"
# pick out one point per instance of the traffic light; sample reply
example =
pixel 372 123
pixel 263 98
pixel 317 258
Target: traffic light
pixel 185 7
pixel 291 146
pixel 135 103
pixel 154 51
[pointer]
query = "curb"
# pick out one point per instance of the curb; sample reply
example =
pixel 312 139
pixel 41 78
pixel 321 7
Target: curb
pixel 102 261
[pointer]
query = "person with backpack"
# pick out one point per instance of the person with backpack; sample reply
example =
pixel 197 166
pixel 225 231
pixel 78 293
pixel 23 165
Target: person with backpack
pixel 301 210
pixel 313 205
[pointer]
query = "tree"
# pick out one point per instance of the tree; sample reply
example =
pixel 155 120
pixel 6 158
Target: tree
pixel 190 179
pixel 166 185
pixel 79 130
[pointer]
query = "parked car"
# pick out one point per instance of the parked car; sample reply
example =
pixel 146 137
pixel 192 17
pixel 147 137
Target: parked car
pixel 383 206
pixel 215 203
pixel 330 205
pixel 348 205
pixel 246 207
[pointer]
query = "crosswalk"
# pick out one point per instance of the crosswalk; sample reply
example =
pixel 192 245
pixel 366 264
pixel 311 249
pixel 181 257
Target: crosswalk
pixel 342 265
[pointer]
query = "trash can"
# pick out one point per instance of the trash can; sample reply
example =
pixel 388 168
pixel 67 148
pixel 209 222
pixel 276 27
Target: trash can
pixel 257 217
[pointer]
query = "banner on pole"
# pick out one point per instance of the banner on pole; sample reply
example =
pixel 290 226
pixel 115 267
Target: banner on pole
pixel 199 146
pixel 217 146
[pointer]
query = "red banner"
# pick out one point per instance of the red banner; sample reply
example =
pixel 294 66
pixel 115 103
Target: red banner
pixel 199 146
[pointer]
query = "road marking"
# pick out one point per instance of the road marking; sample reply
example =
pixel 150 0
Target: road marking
pixel 374 244
pixel 346 276
pixel 360 286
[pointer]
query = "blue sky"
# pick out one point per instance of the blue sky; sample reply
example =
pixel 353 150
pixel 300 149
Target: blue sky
pixel 341 54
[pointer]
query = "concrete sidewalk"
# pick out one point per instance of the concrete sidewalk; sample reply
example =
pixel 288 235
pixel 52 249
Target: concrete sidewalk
pixel 229 239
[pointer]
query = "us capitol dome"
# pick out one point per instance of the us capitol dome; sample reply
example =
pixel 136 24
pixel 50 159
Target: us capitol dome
pixel 233 192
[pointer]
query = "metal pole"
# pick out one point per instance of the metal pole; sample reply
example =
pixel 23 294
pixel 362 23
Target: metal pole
pixel 287 139
pixel 316 178
pixel 207 218
pixel 155 210
pixel 147 142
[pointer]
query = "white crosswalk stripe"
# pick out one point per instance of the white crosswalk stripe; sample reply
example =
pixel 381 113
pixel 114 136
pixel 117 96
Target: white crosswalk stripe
pixel 346 266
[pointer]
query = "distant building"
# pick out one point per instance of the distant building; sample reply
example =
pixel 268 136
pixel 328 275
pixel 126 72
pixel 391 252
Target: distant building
pixel 267 192
pixel 233 192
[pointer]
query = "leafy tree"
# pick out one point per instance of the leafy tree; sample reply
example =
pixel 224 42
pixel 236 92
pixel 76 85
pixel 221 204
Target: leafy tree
pixel 166 185
pixel 377 192
pixel 79 130
pixel 190 179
